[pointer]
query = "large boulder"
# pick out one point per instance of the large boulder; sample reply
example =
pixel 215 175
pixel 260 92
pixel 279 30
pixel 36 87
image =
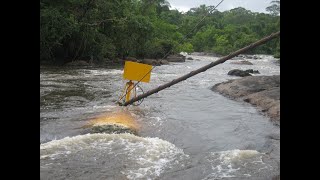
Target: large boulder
pixel 247 85
pixel 262 91
pixel 176 58
pixel 164 62
pixel 268 100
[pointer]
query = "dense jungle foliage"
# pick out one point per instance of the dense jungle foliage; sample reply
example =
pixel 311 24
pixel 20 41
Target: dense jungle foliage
pixel 100 30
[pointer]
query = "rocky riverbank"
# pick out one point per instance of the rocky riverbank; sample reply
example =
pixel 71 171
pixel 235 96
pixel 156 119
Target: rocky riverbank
pixel 153 62
pixel 159 62
pixel 261 91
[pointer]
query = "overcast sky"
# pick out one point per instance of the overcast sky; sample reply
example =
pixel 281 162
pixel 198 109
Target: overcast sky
pixel 252 5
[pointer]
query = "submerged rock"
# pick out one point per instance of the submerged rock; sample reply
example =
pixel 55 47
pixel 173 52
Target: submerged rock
pixel 243 73
pixel 252 71
pixel 262 91
pixel 112 128
pixel 212 54
pixel 113 123
pixel 238 72
pixel 242 62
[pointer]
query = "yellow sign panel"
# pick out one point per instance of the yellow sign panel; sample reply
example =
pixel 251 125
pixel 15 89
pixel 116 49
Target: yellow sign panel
pixel 136 71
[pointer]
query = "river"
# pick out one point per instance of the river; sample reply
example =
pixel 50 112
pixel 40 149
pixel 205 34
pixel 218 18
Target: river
pixel 185 132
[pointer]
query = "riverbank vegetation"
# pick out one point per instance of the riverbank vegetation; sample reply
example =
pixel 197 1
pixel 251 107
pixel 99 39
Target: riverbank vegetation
pixel 100 31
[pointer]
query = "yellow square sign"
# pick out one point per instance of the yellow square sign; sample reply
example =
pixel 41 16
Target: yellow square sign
pixel 136 71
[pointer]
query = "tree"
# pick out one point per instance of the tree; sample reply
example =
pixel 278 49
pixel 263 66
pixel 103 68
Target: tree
pixel 73 30
pixel 274 9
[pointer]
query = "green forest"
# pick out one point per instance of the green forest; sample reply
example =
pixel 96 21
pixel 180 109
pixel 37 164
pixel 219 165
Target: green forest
pixel 101 31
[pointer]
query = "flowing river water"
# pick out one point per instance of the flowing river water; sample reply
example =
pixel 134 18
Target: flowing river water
pixel 184 132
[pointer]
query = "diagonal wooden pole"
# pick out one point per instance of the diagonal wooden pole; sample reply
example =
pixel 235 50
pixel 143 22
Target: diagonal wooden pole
pixel 204 68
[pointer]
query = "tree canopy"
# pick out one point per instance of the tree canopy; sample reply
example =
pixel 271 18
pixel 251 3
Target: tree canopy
pixel 103 30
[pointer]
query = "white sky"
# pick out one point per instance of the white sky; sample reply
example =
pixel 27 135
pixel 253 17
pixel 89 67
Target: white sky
pixel 252 5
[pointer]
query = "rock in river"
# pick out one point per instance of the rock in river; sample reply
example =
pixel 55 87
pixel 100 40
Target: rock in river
pixel 262 91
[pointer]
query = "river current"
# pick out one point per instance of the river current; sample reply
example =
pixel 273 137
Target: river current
pixel 184 132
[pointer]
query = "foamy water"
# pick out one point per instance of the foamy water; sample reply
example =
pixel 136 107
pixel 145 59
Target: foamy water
pixel 235 163
pixel 145 157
